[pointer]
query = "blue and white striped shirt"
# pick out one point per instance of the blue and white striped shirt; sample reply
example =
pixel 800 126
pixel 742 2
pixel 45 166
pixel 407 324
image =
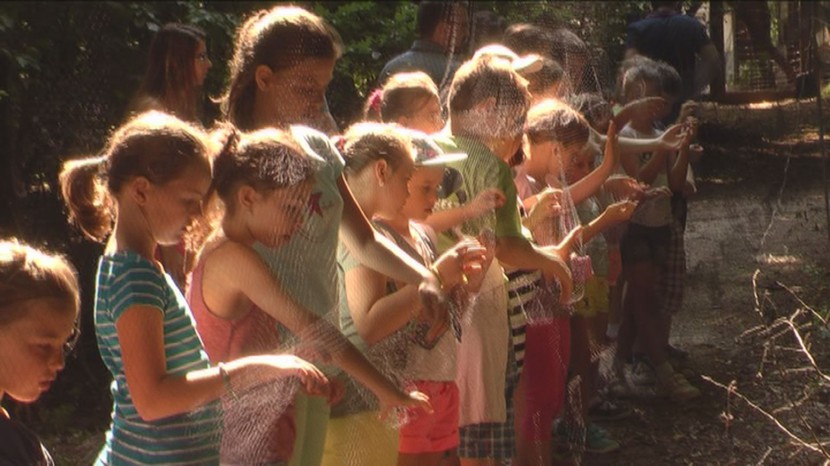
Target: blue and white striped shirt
pixel 126 279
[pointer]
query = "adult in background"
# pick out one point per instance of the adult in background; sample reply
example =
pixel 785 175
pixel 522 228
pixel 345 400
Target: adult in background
pixel 176 69
pixel 668 35
pixel 177 65
pixel 442 31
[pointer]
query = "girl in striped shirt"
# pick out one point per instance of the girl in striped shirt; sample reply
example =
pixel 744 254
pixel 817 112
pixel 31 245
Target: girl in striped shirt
pixel 144 191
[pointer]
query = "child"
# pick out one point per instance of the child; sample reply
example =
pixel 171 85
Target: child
pixel 488 102
pixel 428 437
pixel 375 310
pixel 176 69
pixel 157 173
pixel 554 135
pixel 39 304
pixel 282 64
pixel 410 100
pixel 264 181
pixel 645 242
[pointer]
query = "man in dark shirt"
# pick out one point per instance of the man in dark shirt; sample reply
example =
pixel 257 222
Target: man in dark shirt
pixel 677 39
pixel 442 30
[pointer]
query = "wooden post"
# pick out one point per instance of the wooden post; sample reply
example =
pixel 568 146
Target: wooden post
pixel 716 34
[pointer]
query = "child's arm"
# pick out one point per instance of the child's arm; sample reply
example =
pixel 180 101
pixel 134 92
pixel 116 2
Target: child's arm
pixel 234 269
pixel 486 201
pixel 377 314
pixel 371 248
pixel 650 105
pixel 518 252
pixel 612 215
pixel 157 394
pixel 586 187
pixel 680 162
pixel 670 140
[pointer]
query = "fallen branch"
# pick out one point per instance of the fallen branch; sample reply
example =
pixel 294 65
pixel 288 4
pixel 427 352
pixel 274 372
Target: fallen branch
pixel 732 390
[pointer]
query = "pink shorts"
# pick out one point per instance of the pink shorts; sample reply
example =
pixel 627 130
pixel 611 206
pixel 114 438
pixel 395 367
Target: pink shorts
pixel 547 351
pixel 436 432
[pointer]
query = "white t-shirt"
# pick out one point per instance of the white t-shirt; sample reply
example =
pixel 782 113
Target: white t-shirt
pixel 654 212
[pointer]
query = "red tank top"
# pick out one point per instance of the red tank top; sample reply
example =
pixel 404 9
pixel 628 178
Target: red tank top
pixel 225 340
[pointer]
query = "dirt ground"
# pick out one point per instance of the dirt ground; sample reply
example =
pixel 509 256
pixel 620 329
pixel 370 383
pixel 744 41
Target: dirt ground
pixel 756 212
pixel 759 212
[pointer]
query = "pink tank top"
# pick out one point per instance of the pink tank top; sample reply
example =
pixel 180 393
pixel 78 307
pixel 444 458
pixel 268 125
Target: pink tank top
pixel 225 340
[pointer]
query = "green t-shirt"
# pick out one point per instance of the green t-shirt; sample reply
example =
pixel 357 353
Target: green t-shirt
pixel 306 266
pixel 482 170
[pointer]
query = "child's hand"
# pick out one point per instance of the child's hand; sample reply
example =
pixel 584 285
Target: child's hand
pixel 548 205
pixel 314 382
pixel 476 278
pixel 487 201
pixel 557 269
pixel 413 399
pixel 621 187
pixel 337 390
pixel 687 110
pixel 662 191
pixel 465 257
pixel 691 125
pixel 620 211
pixel 672 139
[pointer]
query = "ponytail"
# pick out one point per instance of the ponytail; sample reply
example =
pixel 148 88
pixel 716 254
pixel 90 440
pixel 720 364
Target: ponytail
pixel 153 145
pixel 89 203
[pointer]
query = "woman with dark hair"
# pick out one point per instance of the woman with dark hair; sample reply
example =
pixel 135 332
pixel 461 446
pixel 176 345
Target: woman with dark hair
pixel 176 70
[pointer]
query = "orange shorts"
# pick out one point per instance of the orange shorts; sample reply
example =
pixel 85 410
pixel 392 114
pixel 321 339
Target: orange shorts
pixel 436 432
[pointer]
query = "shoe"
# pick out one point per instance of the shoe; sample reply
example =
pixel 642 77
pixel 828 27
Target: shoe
pixel 607 410
pixel 642 374
pixel 598 440
pixel 678 388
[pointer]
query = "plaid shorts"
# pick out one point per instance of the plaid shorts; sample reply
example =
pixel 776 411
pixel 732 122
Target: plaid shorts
pixel 673 276
pixel 495 440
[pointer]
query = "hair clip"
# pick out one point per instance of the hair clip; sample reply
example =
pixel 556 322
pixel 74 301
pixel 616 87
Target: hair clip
pixel 375 99
pixel 339 143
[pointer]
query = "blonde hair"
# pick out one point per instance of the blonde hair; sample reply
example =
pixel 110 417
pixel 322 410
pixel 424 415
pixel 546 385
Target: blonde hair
pixel 153 145
pixel 27 273
pixel 406 93
pixel 367 142
pixel 480 79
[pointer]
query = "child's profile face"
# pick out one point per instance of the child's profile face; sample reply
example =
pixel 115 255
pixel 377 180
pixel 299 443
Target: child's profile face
pixel 33 347
pixel 549 159
pixel 394 191
pixel 171 208
pixel 423 193
pixel 427 118
pixel 298 92
pixel 582 162
pixel 276 215
pixel 201 64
